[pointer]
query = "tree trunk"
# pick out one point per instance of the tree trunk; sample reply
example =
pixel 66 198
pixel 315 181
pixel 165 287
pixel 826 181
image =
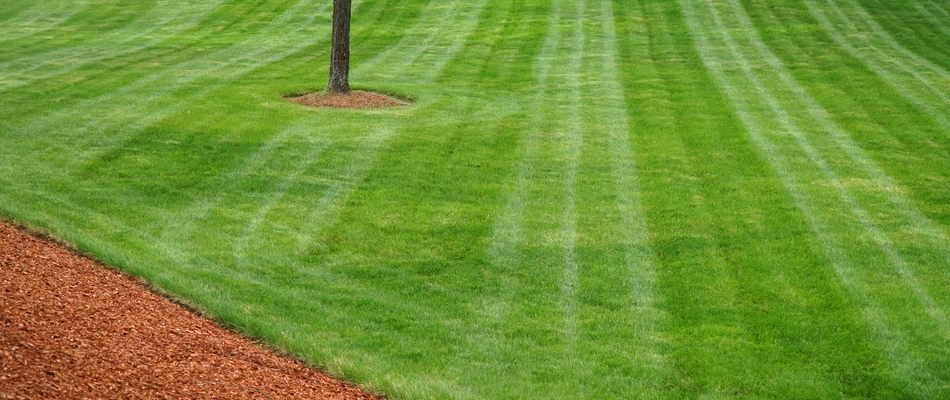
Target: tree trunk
pixel 340 48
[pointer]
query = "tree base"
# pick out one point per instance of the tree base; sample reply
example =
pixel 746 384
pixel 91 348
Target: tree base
pixel 357 99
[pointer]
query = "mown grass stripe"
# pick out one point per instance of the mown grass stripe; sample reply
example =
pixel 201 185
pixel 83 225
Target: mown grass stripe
pixel 508 231
pixel 106 17
pixel 24 17
pixel 894 344
pixel 130 116
pixel 126 107
pixel 40 19
pixel 327 208
pixel 14 12
pixel 508 228
pixel 931 11
pixel 639 258
pixel 435 18
pixel 842 139
pixel 574 141
pixel 880 238
pixel 470 19
pixel 421 59
pixel 322 213
pixel 893 45
pixel 153 17
pixel 905 77
pixel 826 125
pixel 250 164
pixel 163 18
pixel 64 205
pixel 279 189
pixel 543 237
pixel 943 10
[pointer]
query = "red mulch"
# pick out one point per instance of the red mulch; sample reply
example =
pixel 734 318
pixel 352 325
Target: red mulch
pixel 358 99
pixel 73 329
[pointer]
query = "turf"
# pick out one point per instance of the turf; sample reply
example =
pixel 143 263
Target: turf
pixel 587 199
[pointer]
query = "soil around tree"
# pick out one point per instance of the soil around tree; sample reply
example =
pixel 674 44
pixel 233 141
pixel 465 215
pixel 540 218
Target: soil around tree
pixel 357 99
pixel 73 329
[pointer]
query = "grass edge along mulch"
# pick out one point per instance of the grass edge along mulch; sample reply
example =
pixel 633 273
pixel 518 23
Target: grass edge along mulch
pixel 73 328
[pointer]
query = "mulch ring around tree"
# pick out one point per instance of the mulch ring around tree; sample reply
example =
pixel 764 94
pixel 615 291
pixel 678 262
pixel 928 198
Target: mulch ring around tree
pixel 357 99
pixel 73 329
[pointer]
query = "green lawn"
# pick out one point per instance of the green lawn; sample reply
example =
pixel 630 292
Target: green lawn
pixel 588 199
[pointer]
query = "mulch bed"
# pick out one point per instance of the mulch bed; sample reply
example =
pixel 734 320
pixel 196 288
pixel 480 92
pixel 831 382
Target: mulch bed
pixel 357 99
pixel 73 329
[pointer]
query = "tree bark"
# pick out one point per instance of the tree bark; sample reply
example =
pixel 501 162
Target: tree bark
pixel 340 48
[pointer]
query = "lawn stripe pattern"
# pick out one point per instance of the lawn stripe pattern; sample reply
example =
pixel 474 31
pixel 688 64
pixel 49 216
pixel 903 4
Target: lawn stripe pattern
pixel 437 18
pixel 250 49
pixel 426 49
pixel 934 13
pixel 639 258
pixel 514 242
pixel 505 253
pixel 40 18
pixel 328 206
pixel 587 199
pixel 574 141
pixel 166 18
pixel 283 182
pixel 915 78
pixel 877 179
pixel 740 80
pixel 121 111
